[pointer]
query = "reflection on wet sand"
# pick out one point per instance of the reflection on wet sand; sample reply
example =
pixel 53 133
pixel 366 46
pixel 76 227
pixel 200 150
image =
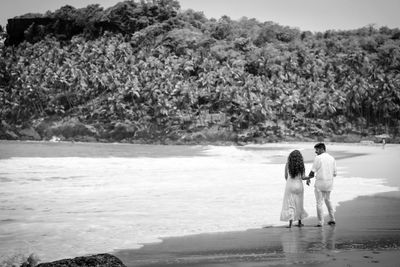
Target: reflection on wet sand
pixel 298 243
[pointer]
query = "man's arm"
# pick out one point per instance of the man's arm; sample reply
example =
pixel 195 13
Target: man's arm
pixel 314 168
pixel 311 175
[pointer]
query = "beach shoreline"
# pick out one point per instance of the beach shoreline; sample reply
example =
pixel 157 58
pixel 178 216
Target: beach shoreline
pixel 361 239
pixel 367 225
pixel 367 233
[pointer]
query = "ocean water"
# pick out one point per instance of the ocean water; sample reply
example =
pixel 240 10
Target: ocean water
pixel 61 200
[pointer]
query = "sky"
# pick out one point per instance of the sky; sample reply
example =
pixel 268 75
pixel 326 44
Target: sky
pixel 307 15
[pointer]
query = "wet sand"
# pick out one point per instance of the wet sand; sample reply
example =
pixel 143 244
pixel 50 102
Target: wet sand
pixel 367 231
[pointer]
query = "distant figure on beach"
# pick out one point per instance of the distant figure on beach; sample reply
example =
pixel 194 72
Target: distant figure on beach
pixel 323 169
pixel 292 207
pixel 383 143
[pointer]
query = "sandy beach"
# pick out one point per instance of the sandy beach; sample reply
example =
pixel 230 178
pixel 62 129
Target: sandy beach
pixel 367 231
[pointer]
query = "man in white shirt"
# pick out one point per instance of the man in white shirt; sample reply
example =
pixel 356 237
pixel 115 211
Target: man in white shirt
pixel 323 169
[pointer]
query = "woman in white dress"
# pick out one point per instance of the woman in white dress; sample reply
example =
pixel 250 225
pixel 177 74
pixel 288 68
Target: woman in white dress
pixel 293 207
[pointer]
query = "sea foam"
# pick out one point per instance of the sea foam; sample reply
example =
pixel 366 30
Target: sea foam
pixel 59 207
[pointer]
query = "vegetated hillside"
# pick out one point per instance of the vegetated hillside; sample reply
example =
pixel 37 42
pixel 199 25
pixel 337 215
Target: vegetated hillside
pixel 160 74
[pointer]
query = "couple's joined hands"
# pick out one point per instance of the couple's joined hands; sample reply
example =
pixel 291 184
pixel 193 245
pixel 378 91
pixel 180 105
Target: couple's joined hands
pixel 307 180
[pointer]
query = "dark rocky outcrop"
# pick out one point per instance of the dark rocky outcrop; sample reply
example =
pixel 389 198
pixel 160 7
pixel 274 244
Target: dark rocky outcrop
pixel 16 28
pixel 29 134
pixel 35 29
pixel 122 131
pixel 99 260
pixel 69 129
pixel 6 132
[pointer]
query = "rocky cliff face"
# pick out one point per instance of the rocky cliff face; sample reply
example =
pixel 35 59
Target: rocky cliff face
pixel 35 29
pixel 17 27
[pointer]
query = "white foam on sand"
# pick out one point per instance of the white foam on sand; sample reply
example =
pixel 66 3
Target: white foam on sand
pixel 67 207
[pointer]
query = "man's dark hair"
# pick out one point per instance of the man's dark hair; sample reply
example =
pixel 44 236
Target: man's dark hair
pixel 320 146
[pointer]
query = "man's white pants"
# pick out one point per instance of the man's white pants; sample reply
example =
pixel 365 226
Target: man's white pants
pixel 321 196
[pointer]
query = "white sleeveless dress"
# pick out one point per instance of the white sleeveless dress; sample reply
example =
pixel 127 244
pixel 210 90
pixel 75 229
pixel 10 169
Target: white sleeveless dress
pixel 293 206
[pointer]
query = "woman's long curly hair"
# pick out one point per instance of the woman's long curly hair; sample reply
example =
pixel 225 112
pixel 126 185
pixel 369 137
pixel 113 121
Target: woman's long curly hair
pixel 296 164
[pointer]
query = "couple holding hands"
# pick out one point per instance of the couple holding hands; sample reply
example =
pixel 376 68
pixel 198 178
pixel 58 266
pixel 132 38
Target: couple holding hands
pixel 323 170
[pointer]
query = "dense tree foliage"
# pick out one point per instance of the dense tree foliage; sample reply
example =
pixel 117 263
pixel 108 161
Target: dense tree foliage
pixel 167 72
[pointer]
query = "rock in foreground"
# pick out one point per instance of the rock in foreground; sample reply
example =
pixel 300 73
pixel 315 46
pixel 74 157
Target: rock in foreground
pixel 100 260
